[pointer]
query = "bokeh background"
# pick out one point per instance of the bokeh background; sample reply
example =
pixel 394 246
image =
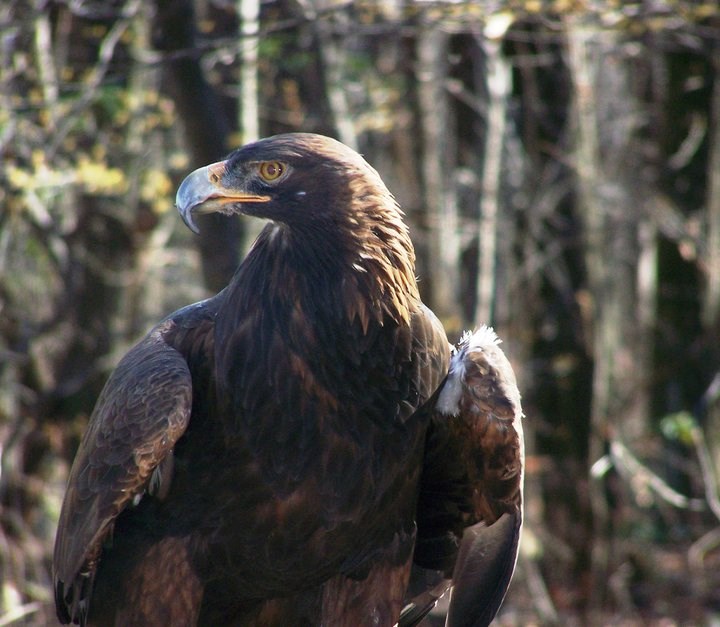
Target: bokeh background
pixel 559 165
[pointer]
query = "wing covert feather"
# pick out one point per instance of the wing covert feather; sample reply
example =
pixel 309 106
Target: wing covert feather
pixel 431 351
pixel 142 411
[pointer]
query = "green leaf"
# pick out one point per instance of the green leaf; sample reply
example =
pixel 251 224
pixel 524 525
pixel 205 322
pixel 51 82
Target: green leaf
pixel 679 426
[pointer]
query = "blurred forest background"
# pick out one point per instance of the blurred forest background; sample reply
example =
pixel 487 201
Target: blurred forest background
pixel 559 164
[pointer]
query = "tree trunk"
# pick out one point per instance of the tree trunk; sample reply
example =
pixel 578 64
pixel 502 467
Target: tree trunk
pixel 711 267
pixel 609 206
pixel 249 120
pixel 711 296
pixel 248 93
pixel 438 169
pixel 334 56
pixel 206 130
pixel 499 86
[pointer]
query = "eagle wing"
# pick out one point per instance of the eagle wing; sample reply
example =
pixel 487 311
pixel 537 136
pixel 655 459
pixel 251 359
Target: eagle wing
pixel 126 451
pixel 470 504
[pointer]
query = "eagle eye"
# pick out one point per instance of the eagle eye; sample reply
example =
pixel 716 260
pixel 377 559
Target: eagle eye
pixel 271 171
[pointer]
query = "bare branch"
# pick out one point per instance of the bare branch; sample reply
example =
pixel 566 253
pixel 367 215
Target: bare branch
pixel 643 480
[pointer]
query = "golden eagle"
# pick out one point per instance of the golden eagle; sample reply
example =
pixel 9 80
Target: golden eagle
pixel 292 450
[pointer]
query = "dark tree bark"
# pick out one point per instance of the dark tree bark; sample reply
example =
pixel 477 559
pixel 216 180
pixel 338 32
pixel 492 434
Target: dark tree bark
pixel 206 129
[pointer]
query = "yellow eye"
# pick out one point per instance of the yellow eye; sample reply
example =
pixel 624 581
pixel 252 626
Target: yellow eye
pixel 271 170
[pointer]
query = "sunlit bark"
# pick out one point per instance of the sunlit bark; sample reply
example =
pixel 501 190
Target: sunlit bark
pixel 438 168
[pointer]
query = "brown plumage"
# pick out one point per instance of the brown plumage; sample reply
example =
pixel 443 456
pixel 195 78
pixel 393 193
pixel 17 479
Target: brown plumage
pixel 282 453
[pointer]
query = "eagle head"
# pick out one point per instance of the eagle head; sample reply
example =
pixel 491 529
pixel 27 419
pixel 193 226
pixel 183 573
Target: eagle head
pixel 296 179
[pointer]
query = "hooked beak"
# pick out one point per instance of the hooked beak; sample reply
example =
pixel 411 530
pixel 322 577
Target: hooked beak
pixel 203 191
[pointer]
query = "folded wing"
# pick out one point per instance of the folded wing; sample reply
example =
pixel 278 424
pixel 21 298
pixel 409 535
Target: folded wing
pixel 470 505
pixel 126 451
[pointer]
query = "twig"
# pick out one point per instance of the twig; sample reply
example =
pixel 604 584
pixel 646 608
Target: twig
pixel 710 482
pixel 46 66
pixel 701 547
pixel 538 590
pixel 706 466
pixel 21 611
pixel 619 583
pixel 691 144
pixel 636 473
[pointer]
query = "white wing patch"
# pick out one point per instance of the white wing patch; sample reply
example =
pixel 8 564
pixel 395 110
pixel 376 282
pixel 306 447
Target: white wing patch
pixel 448 402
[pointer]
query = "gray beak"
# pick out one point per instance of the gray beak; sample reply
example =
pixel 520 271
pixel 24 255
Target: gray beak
pixel 203 191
